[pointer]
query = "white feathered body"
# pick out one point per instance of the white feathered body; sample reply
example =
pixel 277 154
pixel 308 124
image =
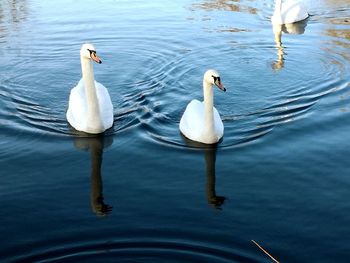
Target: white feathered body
pixel 77 113
pixel 292 11
pixel 193 124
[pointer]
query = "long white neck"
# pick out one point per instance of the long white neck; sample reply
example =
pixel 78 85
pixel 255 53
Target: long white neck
pixel 208 107
pixel 94 122
pixel 278 8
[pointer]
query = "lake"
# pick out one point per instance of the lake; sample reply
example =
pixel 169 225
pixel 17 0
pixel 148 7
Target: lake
pixel 141 192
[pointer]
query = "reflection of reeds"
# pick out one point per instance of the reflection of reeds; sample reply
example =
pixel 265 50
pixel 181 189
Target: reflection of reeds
pixel 226 5
pixel 263 250
pixel 12 14
pixel 13 11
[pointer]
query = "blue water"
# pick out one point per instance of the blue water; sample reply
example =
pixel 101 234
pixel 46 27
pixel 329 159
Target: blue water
pixel 143 193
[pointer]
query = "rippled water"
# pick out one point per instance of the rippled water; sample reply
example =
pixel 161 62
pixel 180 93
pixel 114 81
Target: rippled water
pixel 142 192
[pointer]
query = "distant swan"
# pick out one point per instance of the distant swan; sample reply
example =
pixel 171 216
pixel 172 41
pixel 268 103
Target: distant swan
pixel 201 122
pixel 290 11
pixel 90 107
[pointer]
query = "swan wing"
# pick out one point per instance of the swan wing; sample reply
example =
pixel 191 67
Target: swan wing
pixel 291 12
pixel 77 108
pixel 219 126
pixel 105 105
pixel 192 120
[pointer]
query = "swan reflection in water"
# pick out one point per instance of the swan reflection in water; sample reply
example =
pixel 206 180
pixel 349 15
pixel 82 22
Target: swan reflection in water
pixel 210 159
pixel 95 145
pixel 297 28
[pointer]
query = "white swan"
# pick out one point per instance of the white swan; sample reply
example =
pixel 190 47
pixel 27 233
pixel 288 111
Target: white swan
pixel 290 11
pixel 201 122
pixel 90 107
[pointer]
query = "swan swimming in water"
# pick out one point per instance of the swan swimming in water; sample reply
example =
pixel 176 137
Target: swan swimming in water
pixel 201 122
pixel 90 107
pixel 290 11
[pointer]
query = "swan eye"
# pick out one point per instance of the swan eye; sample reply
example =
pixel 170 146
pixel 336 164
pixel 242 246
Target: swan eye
pixel 216 79
pixel 92 52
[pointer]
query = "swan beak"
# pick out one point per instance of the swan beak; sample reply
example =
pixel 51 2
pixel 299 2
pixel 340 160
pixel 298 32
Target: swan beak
pixel 95 58
pixel 220 86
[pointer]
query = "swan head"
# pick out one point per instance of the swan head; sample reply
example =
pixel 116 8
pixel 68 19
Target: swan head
pixel 212 77
pixel 88 51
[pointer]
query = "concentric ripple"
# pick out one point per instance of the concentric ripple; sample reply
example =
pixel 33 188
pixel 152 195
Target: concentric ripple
pixel 133 250
pixel 151 77
pixel 249 116
pixel 153 66
pixel 259 98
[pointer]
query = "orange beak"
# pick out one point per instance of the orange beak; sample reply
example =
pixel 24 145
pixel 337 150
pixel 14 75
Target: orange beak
pixel 95 58
pixel 220 86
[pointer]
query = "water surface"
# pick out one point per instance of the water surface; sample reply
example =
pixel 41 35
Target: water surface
pixel 143 193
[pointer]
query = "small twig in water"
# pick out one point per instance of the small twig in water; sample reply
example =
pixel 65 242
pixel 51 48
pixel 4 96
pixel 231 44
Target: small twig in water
pixel 263 250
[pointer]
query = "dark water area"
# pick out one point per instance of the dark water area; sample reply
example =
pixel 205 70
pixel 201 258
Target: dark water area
pixel 143 193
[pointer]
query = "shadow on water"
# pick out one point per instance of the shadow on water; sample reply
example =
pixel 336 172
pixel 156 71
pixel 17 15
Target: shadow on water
pixel 297 28
pixel 95 145
pixel 210 164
